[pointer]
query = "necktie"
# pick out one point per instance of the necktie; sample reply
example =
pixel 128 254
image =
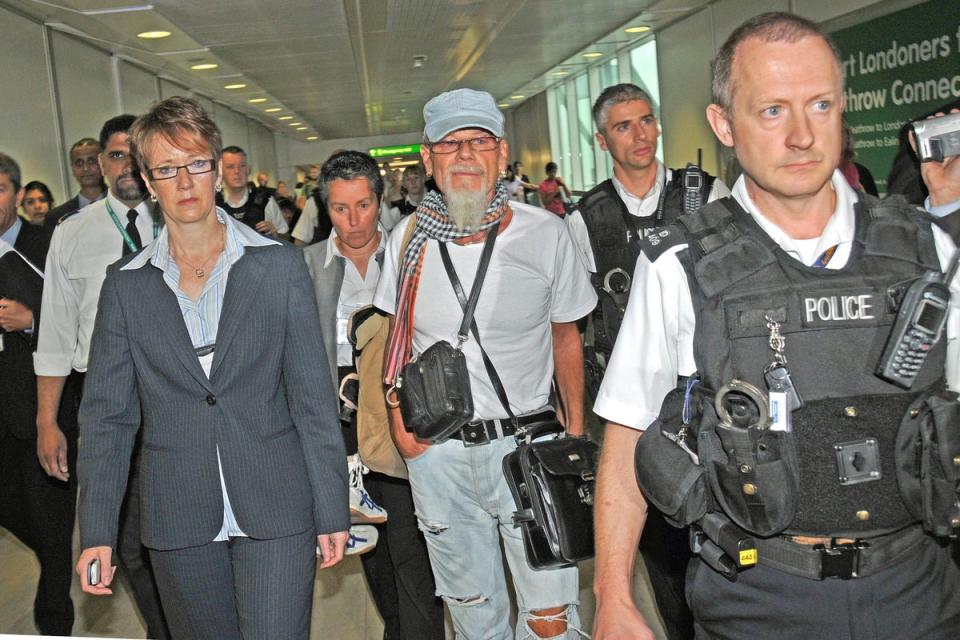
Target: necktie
pixel 132 232
pixel 824 259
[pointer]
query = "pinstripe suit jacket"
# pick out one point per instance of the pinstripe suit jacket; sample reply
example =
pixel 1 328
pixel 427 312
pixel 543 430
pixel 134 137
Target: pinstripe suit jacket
pixel 268 405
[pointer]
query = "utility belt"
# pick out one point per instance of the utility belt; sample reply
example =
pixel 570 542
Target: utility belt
pixel 739 489
pixel 856 559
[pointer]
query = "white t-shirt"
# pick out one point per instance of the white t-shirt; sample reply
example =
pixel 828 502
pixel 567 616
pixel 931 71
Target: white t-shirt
pixel 655 343
pixel 641 207
pixel 535 277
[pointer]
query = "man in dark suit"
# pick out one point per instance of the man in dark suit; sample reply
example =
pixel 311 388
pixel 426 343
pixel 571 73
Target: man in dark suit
pixel 86 170
pixel 36 508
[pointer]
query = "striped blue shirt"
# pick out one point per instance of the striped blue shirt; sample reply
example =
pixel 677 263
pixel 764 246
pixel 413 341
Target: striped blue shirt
pixel 203 316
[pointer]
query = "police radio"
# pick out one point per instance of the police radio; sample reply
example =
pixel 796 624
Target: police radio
pixel 693 185
pixel 918 327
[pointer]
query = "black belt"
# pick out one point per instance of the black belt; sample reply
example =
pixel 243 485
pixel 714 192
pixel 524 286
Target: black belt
pixel 485 431
pixel 857 559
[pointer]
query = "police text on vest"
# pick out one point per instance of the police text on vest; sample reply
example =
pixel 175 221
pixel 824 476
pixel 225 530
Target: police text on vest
pixel 839 308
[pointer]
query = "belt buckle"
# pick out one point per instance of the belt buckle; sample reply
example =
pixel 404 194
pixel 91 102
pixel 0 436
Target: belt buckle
pixel 840 561
pixel 474 434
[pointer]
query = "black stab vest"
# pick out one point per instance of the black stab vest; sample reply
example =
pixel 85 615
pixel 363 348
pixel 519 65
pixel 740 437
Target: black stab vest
pixel 252 211
pixel 835 323
pixel 613 237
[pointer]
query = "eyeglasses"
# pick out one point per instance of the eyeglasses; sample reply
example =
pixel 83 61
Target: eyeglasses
pixel 481 143
pixel 195 168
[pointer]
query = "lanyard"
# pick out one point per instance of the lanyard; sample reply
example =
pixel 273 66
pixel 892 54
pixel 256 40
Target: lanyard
pixel 123 231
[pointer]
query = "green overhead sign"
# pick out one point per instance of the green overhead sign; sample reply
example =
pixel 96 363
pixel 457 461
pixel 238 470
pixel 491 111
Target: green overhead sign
pixel 898 67
pixel 379 152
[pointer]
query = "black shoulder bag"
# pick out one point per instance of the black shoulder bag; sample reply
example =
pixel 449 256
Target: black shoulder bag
pixel 552 481
pixel 434 387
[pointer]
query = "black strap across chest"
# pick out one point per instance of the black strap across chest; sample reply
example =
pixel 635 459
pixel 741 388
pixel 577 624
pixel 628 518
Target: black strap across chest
pixel 470 305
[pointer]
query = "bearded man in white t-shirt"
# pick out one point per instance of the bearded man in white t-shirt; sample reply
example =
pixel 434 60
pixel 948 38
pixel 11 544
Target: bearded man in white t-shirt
pixel 534 291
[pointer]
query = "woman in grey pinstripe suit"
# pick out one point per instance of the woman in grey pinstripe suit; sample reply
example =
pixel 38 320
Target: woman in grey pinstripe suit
pixel 211 334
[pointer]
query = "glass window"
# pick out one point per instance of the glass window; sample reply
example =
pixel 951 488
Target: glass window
pixel 609 73
pixel 564 162
pixel 643 72
pixel 588 173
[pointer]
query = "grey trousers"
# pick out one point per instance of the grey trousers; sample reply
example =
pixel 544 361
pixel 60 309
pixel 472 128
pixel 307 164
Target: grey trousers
pixel 244 588
pixel 917 597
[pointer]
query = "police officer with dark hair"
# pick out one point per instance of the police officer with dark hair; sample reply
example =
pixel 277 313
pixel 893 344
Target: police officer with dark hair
pixel 608 225
pixel 612 218
pixel 799 465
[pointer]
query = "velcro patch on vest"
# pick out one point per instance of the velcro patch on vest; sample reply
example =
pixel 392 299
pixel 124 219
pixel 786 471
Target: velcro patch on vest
pixel 861 307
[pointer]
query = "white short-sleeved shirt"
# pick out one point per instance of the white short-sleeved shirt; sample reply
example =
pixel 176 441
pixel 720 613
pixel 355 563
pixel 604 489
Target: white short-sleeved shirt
pixel 303 230
pixel 639 206
pixel 535 277
pixel 82 248
pixel 655 343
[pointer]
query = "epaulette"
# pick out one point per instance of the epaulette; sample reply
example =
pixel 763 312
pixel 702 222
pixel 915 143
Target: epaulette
pixel 67 216
pixel 657 243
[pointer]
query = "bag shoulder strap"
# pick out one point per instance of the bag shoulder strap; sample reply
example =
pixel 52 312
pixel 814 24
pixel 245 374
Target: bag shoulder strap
pixel 470 305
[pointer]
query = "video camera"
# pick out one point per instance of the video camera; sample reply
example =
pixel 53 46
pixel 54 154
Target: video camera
pixel 937 138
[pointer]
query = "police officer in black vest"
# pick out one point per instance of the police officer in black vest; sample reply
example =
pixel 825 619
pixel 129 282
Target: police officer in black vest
pixel 612 218
pixel 823 495
pixel 256 208
pixel 608 225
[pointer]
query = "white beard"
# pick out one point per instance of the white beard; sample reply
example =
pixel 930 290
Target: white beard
pixel 466 208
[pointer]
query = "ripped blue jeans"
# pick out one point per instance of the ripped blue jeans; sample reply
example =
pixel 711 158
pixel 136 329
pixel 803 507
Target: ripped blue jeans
pixel 464 507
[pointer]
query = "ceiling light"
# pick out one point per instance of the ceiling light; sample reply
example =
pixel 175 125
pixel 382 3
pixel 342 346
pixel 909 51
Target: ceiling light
pixel 558 73
pixel 592 54
pixel 273 110
pixel 517 97
pixel 640 29
pixel 312 138
pixel 153 35
pixel 238 85
pixel 256 100
pixel 302 128
pixel 285 118
pixel 204 66
pixel 503 104
pixel 295 124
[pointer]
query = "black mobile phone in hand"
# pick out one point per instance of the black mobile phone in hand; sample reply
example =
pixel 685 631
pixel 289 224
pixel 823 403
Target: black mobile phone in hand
pixel 93 572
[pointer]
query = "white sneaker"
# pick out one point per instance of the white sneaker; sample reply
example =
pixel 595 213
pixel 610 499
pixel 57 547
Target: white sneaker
pixel 362 507
pixel 363 538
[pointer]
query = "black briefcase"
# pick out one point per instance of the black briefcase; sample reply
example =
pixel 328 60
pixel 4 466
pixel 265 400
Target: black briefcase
pixel 552 483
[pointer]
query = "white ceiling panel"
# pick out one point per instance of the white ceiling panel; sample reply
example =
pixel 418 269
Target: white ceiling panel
pixel 346 67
